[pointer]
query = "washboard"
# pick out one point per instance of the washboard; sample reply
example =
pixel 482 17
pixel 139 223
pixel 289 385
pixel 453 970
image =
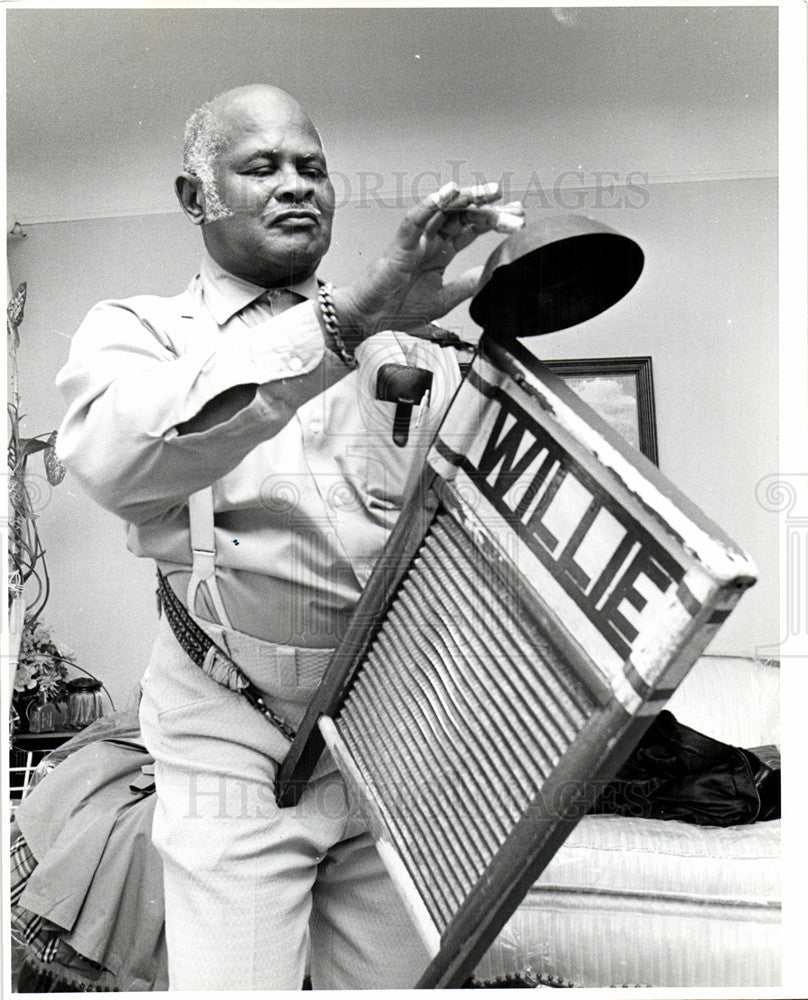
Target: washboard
pixel 543 594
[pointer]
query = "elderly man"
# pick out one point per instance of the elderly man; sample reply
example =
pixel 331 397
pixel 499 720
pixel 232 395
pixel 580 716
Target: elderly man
pixel 236 429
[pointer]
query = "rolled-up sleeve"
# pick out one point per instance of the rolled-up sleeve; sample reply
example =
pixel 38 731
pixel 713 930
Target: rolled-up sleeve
pixel 127 389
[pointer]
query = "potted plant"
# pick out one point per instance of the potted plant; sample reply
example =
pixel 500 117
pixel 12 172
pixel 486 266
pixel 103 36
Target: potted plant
pixel 37 668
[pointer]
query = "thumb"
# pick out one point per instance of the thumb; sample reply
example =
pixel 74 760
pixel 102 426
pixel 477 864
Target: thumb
pixel 462 288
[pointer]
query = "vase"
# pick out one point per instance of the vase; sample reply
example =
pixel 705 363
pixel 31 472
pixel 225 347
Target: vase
pixel 83 702
pixel 43 716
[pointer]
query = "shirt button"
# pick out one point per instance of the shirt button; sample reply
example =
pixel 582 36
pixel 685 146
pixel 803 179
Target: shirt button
pixel 315 426
pixel 295 364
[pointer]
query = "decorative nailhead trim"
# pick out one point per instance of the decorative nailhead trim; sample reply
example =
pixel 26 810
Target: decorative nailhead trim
pixel 331 323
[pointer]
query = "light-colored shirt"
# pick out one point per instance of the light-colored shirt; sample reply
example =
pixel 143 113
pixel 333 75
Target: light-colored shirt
pixel 307 481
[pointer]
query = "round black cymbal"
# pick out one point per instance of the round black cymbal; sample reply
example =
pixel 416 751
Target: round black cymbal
pixel 554 273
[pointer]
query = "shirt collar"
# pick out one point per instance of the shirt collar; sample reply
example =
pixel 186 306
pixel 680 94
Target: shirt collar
pixel 225 294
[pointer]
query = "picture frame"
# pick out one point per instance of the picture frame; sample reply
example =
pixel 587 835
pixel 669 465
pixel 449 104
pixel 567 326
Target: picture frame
pixel 621 390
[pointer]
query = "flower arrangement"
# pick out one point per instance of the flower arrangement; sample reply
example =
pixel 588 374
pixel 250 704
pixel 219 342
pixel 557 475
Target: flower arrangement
pixel 41 668
pixel 40 679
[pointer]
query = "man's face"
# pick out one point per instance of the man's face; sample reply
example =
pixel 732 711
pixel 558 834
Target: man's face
pixel 272 178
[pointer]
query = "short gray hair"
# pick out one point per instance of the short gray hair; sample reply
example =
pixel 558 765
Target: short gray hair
pixel 205 137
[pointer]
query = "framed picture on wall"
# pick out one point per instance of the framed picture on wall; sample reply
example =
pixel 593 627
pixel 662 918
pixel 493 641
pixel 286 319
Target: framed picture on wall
pixel 621 390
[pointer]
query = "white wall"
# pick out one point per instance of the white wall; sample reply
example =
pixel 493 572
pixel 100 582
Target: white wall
pixel 97 98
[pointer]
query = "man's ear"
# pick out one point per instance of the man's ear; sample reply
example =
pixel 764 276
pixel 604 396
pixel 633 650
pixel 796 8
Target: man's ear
pixel 191 197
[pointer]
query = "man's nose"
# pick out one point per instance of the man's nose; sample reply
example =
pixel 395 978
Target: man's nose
pixel 294 186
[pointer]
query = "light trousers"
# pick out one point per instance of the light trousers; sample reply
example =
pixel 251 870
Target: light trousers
pixel 251 888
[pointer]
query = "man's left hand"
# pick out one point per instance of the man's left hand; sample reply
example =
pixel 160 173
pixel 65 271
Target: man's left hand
pixel 406 287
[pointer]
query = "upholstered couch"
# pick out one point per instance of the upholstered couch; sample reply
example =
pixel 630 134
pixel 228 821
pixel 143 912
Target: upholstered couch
pixel 632 901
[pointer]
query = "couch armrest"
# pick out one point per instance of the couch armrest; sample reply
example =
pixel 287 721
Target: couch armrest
pixel 735 699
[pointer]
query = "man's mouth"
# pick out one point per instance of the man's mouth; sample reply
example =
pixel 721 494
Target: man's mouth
pixel 294 217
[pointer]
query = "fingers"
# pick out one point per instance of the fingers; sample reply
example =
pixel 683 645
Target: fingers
pixel 464 227
pixel 462 288
pixel 444 196
pixel 508 218
pixel 469 234
pixel 426 216
pixel 431 213
pixel 476 194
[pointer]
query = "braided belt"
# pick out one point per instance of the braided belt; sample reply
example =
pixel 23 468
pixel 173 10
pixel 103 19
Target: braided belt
pixel 207 655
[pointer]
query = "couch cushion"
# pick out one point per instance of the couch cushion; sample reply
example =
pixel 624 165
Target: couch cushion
pixel 735 865
pixel 629 901
pixel 731 698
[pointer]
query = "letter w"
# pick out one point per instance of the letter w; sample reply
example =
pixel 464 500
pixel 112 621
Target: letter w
pixel 505 451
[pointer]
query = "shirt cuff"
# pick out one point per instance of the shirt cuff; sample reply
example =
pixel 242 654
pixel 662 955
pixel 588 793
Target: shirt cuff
pixel 284 349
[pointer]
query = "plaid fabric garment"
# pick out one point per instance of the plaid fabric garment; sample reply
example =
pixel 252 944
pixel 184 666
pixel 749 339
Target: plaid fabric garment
pixel 28 927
